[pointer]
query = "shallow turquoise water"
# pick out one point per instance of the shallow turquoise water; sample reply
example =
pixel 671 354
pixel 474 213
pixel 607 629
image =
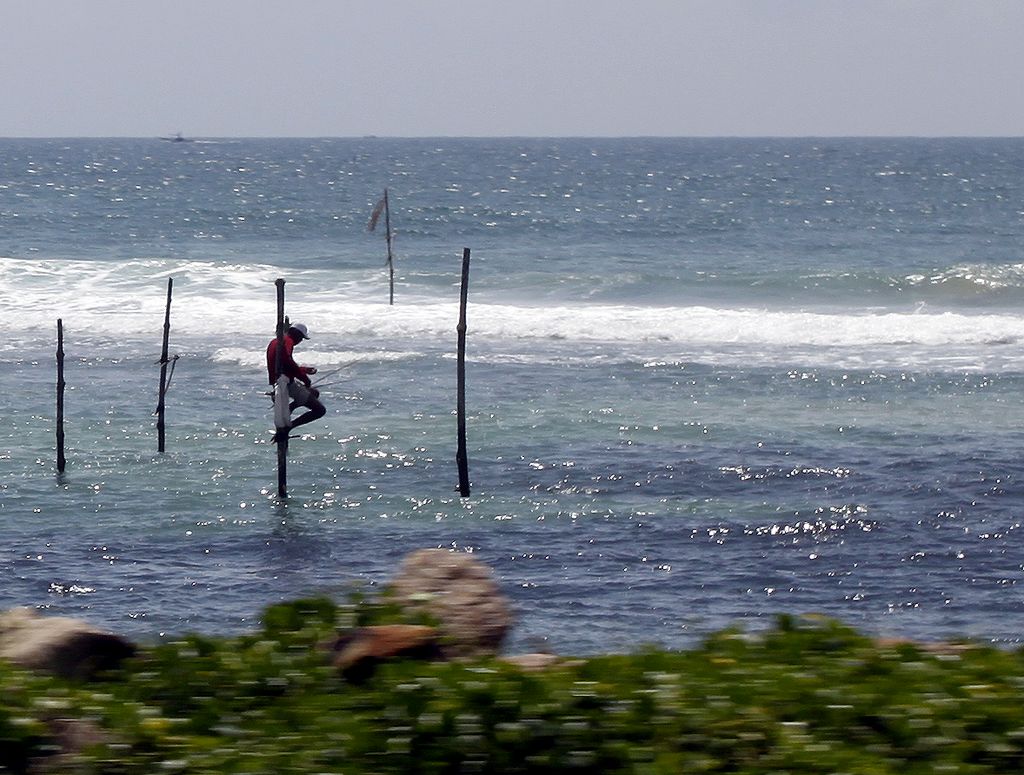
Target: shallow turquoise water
pixel 708 381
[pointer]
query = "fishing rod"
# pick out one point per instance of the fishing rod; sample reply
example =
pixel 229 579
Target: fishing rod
pixel 322 374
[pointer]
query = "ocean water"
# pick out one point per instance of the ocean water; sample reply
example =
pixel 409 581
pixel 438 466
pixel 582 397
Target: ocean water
pixel 708 380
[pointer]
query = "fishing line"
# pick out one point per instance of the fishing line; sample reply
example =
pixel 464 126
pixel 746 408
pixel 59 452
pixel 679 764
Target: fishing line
pixel 322 374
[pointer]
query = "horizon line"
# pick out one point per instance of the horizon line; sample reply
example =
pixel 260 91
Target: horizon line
pixel 187 138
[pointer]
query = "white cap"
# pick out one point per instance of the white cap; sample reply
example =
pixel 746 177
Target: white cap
pixel 301 328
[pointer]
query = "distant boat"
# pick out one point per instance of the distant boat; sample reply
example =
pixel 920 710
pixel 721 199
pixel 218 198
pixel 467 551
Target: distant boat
pixel 177 138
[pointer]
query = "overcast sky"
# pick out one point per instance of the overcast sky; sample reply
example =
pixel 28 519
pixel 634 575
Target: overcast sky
pixel 521 67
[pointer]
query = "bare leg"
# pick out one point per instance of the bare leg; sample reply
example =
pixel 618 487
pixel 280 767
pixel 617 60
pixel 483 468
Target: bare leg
pixel 316 411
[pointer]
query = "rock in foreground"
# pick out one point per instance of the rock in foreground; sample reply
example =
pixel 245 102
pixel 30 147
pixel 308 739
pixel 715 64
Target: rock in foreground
pixel 461 594
pixel 60 645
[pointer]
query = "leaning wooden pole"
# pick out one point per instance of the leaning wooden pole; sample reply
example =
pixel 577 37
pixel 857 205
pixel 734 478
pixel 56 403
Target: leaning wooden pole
pixel 160 427
pixel 387 237
pixel 461 457
pixel 61 461
pixel 280 395
pixel 385 206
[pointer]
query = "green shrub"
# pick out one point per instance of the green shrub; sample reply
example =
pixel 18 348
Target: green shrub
pixel 808 696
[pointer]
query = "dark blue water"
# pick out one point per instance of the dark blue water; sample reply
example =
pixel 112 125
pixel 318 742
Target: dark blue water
pixel 708 380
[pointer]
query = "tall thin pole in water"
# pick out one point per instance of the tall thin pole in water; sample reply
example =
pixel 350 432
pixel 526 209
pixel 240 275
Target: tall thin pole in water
pixel 281 433
pixel 160 427
pixel 461 457
pixel 384 206
pixel 387 237
pixel 61 462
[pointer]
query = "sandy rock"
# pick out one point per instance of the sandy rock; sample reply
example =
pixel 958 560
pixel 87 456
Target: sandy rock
pixel 67 647
pixel 358 652
pixel 533 662
pixel 461 594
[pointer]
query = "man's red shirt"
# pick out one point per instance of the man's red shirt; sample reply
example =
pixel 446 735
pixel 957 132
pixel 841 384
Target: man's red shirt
pixel 288 365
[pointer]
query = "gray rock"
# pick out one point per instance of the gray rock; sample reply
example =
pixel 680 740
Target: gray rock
pixel 55 644
pixel 461 595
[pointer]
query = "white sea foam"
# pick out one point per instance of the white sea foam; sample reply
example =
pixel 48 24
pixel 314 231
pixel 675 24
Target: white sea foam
pixel 328 361
pixel 231 311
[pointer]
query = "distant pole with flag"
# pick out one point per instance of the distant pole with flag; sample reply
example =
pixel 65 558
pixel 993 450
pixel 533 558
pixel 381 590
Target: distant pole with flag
pixel 382 207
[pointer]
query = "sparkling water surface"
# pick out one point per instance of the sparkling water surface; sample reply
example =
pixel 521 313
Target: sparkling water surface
pixel 708 380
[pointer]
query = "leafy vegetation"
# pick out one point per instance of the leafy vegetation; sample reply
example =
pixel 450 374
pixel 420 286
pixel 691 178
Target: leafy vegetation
pixel 808 696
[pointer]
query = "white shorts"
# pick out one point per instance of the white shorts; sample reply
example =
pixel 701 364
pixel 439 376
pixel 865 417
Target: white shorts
pixel 299 393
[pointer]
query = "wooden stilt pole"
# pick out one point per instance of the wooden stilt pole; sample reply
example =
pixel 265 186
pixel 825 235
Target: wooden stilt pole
pixel 61 461
pixel 160 427
pixel 387 236
pixel 461 457
pixel 384 205
pixel 281 434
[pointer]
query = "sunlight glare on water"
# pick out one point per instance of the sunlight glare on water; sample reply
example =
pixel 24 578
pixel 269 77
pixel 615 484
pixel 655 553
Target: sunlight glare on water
pixel 708 410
